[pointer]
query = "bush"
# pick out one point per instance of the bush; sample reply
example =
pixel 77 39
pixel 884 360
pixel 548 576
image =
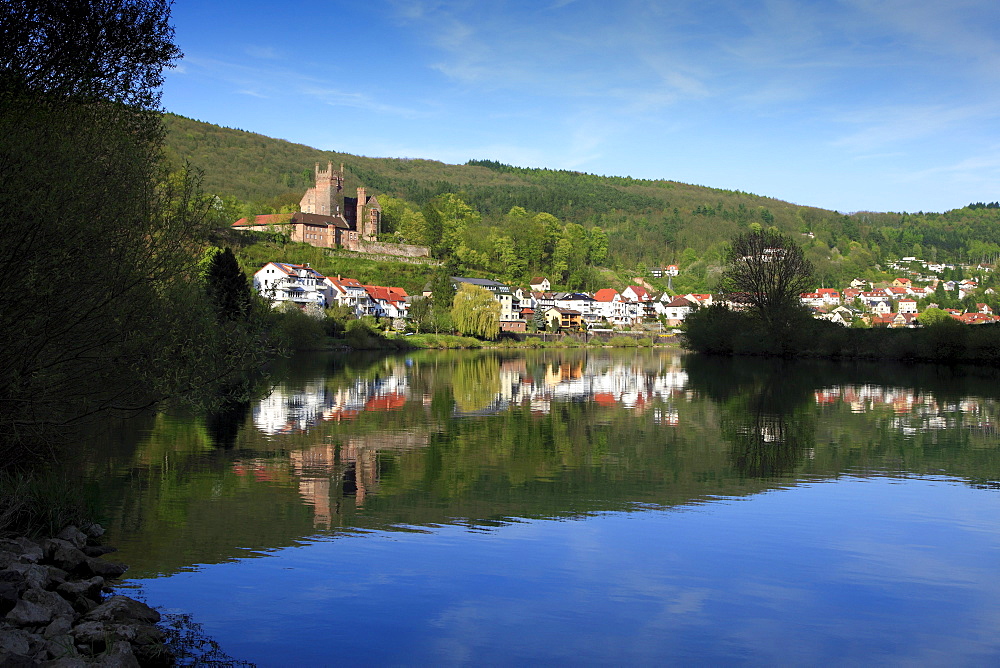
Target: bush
pixel 296 330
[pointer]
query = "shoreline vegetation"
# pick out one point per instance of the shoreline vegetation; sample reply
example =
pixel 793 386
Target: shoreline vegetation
pixel 718 330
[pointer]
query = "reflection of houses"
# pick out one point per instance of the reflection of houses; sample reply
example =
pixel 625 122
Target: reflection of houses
pixel 329 472
pixel 287 411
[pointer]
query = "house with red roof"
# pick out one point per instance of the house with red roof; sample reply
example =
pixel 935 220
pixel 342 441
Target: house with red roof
pixel 389 302
pixel 830 296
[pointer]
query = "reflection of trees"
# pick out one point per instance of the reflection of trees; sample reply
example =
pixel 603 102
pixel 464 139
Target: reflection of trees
pixel 224 421
pixel 766 444
pixel 767 410
pixel 476 382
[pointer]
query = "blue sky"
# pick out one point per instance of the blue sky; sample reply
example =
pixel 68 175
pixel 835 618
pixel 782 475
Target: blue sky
pixel 883 105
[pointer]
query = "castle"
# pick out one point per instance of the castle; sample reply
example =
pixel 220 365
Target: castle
pixel 329 219
pixel 362 213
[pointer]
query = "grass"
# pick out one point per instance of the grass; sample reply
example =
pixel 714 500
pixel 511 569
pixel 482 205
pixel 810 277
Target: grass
pixel 40 504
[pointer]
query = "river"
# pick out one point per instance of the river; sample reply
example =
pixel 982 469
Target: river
pixel 578 507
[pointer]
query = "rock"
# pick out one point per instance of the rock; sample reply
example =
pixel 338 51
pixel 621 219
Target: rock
pixel 74 536
pixel 38 607
pixel 98 550
pixel 120 656
pixel 67 662
pixel 27 613
pixel 30 550
pixel 56 575
pixel 64 554
pixel 123 609
pixel 15 641
pixel 32 575
pixel 105 569
pixel 60 626
pixel 10 594
pixel 94 530
pixel 82 588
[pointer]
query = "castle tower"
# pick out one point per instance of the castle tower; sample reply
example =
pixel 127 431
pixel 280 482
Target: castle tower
pixel 361 221
pixel 322 198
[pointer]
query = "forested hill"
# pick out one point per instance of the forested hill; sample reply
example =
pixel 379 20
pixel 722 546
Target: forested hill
pixel 648 223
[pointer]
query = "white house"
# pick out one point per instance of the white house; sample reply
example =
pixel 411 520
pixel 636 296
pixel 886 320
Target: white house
pixel 676 311
pixel 299 284
pixel 540 284
pixel 351 293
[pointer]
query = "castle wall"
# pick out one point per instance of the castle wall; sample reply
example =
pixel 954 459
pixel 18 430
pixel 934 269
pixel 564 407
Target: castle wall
pixel 381 248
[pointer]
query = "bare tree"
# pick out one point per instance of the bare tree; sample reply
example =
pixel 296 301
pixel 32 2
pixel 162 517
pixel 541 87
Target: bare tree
pixel 766 272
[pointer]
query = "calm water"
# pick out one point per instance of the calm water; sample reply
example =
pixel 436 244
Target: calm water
pixel 574 508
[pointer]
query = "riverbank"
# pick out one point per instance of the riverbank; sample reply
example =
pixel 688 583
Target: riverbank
pixel 381 341
pixel 719 331
pixel 59 609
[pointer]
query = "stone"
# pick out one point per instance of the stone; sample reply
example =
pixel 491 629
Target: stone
pixel 73 535
pixel 55 604
pixel 56 575
pixel 123 609
pixel 105 569
pixel 94 530
pixel 32 575
pixel 60 626
pixel 98 550
pixel 91 636
pixel 30 550
pixel 82 588
pixel 61 647
pixel 64 554
pixel 15 641
pixel 27 613
pixel 7 558
pixel 120 656
pixel 10 594
pixel 67 662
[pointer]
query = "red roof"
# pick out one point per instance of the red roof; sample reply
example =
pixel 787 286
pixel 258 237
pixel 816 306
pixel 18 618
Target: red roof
pixel 640 292
pixel 605 295
pixel 265 219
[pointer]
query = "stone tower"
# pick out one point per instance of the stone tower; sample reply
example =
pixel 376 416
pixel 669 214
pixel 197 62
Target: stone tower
pixel 323 198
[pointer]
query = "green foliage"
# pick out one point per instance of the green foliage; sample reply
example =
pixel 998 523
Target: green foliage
pixel 227 286
pixel 115 317
pixel 475 312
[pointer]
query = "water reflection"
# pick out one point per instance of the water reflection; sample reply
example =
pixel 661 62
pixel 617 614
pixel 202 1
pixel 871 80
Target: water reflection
pixel 743 509
pixel 346 442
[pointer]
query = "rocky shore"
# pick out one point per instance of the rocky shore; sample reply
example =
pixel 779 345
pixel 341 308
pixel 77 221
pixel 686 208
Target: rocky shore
pixel 57 609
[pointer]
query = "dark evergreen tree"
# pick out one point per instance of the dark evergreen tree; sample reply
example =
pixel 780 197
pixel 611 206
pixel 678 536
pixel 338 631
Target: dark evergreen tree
pixel 228 287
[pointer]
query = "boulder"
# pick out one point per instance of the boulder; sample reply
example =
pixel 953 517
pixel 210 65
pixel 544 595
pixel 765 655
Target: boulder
pixel 33 576
pixel 73 536
pixel 90 588
pixel 105 569
pixel 123 609
pixel 120 656
pixel 64 554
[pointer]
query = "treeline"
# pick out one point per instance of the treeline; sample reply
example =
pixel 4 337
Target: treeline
pixel 717 330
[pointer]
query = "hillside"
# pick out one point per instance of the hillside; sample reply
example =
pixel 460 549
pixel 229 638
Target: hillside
pixel 648 223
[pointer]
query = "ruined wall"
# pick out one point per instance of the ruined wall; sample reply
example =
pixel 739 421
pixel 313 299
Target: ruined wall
pixel 380 248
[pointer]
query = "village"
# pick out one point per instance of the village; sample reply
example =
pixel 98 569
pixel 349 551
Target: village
pixel 330 219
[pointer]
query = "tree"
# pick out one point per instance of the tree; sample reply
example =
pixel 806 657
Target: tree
pixel 227 285
pixel 116 316
pixel 112 50
pixel 935 317
pixel 475 312
pixel 766 271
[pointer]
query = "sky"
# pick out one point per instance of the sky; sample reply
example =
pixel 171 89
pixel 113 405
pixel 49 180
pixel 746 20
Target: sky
pixel 850 105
